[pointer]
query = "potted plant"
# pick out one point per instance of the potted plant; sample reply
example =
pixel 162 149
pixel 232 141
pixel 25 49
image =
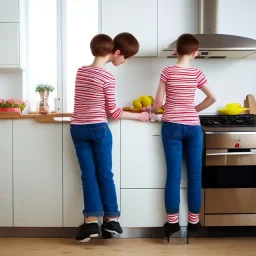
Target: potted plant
pixel 44 91
pixel 12 105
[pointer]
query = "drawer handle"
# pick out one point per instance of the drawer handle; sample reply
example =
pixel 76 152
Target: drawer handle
pixel 252 152
pixel 155 135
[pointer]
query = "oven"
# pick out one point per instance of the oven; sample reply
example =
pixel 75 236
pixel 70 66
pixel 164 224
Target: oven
pixel 229 160
pixel 229 176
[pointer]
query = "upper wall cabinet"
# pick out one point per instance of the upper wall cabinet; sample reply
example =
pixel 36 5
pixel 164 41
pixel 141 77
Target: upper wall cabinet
pixel 175 18
pixel 236 17
pixel 9 10
pixel 136 17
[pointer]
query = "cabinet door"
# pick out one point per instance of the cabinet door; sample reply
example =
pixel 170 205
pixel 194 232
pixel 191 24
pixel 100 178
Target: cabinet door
pixel 228 21
pixel 9 10
pixel 145 208
pixel 9 44
pixel 72 185
pixel 6 192
pixel 37 167
pixel 136 17
pixel 176 18
pixel 142 156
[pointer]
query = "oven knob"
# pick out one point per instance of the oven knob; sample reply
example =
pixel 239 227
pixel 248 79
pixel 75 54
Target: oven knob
pixel 237 145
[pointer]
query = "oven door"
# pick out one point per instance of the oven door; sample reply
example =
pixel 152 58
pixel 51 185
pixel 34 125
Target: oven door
pixel 229 168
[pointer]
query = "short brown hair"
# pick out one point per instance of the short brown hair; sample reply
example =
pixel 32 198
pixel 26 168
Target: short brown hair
pixel 187 44
pixel 101 45
pixel 127 44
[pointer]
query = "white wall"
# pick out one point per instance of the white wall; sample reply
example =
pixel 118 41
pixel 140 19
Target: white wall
pixel 11 83
pixel 231 80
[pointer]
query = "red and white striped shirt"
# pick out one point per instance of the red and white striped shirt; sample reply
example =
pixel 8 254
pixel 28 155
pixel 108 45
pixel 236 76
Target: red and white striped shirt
pixel 95 98
pixel 180 85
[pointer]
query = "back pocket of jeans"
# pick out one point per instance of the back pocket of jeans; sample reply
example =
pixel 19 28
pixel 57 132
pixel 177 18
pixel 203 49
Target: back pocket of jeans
pixel 99 133
pixel 171 131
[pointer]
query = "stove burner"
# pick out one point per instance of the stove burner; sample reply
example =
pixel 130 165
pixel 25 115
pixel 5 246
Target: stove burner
pixel 224 120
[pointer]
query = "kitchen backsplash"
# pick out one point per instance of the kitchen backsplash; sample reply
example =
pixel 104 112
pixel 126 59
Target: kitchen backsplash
pixel 10 83
pixel 231 80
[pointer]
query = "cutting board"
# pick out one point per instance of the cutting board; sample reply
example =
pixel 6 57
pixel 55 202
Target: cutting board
pixel 251 104
pixel 246 105
pixel 132 110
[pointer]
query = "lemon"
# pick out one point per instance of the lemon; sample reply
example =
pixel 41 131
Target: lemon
pixel 137 104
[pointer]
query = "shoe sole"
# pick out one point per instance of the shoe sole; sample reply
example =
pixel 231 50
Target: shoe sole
pixel 87 239
pixel 112 231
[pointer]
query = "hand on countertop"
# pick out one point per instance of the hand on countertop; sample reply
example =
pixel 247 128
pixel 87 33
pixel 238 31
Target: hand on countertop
pixel 152 117
pixel 144 117
pixel 155 117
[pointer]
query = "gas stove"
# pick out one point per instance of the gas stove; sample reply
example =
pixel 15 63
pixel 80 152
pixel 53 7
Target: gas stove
pixel 227 121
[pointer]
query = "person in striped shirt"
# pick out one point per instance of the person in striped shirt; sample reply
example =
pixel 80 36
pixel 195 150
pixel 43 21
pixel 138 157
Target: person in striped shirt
pixel 181 131
pixel 95 101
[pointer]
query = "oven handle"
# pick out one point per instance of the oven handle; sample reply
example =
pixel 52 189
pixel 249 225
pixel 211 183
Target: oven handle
pixel 252 152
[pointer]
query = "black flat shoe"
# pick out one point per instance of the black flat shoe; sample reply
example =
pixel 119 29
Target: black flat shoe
pixel 87 231
pixel 170 229
pixel 110 228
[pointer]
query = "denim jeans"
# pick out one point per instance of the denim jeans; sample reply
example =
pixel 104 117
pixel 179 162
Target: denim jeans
pixel 176 138
pixel 93 144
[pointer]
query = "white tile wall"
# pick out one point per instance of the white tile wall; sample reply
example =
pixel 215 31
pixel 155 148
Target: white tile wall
pixel 11 83
pixel 231 80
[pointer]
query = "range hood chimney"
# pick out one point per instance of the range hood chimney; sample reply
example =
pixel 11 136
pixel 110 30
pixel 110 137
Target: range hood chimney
pixel 212 44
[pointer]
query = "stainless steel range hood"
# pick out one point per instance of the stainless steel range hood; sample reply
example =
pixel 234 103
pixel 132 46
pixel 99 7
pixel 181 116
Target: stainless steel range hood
pixel 212 44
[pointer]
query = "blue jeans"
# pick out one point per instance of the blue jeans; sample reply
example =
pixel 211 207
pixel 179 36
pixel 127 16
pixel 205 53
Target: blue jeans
pixel 93 144
pixel 177 137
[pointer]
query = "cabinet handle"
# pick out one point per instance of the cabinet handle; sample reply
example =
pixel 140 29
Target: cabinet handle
pixel 251 152
pixel 155 135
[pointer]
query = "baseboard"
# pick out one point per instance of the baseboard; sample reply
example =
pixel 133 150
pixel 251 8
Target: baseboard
pixel 64 232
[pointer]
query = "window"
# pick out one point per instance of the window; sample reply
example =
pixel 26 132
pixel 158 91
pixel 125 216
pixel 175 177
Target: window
pixel 41 46
pixel 58 43
pixel 82 25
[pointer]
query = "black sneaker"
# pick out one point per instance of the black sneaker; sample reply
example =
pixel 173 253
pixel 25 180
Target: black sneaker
pixel 170 229
pixel 86 231
pixel 194 227
pixel 112 227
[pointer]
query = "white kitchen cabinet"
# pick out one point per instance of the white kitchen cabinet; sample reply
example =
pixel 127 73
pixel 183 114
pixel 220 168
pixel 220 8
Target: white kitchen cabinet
pixel 176 18
pixel 9 10
pixel 37 172
pixel 228 21
pixel 9 45
pixel 6 192
pixel 145 208
pixel 72 185
pixel 142 156
pixel 136 17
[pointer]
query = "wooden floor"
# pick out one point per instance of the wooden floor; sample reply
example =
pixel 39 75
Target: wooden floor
pixel 128 247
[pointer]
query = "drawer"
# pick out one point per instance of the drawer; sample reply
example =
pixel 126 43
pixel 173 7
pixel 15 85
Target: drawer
pixel 230 140
pixel 238 200
pixel 145 208
pixel 230 220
